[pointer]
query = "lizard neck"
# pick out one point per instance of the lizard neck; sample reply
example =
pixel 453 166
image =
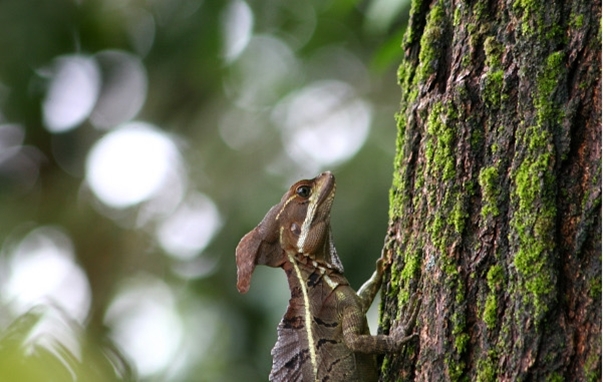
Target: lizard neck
pixel 306 276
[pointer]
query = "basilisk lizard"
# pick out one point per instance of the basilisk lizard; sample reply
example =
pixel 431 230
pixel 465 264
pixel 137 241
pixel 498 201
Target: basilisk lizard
pixel 324 334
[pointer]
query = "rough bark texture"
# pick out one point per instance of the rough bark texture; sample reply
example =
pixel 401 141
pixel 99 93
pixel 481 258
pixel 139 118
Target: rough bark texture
pixel 496 200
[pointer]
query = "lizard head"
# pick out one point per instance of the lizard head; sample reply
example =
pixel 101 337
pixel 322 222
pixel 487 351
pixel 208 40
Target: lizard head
pixel 298 225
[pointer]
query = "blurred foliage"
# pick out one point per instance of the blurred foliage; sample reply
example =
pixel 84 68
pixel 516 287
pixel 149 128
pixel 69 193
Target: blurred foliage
pixel 224 82
pixel 44 344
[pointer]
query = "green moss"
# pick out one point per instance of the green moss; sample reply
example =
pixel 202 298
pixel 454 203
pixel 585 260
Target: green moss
pixel 418 195
pixel 440 150
pixel 490 311
pixel 415 7
pixel 460 337
pixel 466 60
pixel 534 187
pixel 533 222
pixel 554 32
pixel 410 34
pixel 455 369
pixel 458 216
pixel 493 52
pixel 534 21
pixel 460 342
pixel 486 368
pixel 480 10
pixel 494 148
pixel 460 294
pixel 397 195
pixel 595 287
pixel 577 21
pixel 431 43
pixel 490 192
pixel 457 15
pixel 409 77
pixel 495 277
pixel 403 296
pixel 592 367
pixel 395 198
pixel 458 330
pixel 437 228
pixel 476 139
pixel 526 8
pixel 548 81
pixel 412 265
pixel 555 377
pixel 402 75
pixel 471 28
pixel 406 73
pixel 413 94
pixel 492 92
pixel 451 272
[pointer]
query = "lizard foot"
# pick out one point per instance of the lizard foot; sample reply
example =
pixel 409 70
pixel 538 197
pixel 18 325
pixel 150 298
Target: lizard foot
pixel 403 333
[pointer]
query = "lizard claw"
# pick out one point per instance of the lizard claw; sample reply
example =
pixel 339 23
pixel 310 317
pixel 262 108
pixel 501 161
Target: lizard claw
pixel 412 310
pixel 402 336
pixel 384 261
pixel 403 333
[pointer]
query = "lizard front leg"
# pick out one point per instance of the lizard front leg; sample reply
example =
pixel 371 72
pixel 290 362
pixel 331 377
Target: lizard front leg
pixel 358 340
pixel 370 288
pixel 403 332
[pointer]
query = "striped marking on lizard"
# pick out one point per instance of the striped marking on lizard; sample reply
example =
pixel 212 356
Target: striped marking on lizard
pixel 306 227
pixel 307 318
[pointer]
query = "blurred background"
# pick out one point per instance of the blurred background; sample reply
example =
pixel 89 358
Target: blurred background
pixel 141 139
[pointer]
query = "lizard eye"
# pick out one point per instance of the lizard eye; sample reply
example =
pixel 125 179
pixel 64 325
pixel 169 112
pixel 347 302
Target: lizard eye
pixel 303 191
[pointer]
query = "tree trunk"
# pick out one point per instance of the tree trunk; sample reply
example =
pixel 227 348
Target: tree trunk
pixel 496 197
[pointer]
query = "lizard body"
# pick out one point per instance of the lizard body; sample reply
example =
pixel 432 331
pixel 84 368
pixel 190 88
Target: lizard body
pixel 323 335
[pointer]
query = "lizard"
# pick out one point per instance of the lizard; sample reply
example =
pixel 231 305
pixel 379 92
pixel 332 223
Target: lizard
pixel 324 334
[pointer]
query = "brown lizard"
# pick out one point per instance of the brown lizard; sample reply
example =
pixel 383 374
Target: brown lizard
pixel 324 334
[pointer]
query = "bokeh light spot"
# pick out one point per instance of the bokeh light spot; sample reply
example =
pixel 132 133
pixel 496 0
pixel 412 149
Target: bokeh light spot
pixel 237 22
pixel 19 165
pixel 42 269
pixel 124 88
pixel 323 124
pixel 189 229
pixel 130 164
pixel 72 94
pixel 144 323
pixel 262 73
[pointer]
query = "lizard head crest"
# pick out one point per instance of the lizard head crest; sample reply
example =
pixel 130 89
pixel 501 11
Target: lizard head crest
pixel 298 225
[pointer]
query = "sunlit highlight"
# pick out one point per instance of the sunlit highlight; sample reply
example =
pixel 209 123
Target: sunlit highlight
pixel 130 164
pixel 237 22
pixel 141 29
pixel 261 73
pixel 324 124
pixel 145 325
pixel 42 269
pixel 19 164
pixel 124 88
pixel 189 229
pixel 73 92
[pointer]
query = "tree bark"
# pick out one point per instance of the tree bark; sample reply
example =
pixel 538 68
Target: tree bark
pixel 496 198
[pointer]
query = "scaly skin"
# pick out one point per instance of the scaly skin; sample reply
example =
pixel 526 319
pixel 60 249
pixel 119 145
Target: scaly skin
pixel 324 334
